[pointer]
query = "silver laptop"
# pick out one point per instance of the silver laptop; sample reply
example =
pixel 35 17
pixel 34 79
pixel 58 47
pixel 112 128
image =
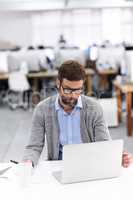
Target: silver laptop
pixel 91 161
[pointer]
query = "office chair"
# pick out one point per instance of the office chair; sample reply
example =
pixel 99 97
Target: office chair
pixel 18 86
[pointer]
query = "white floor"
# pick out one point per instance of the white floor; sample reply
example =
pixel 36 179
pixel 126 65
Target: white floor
pixel 15 129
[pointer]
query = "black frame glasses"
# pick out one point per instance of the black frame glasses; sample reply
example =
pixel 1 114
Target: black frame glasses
pixel 72 90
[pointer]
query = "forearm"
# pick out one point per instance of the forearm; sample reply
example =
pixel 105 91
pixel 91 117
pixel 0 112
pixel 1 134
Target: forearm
pixel 36 142
pixel 101 131
pixel 32 153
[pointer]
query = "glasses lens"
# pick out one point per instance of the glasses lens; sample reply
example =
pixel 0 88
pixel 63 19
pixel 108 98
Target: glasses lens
pixel 67 91
pixel 70 91
pixel 78 91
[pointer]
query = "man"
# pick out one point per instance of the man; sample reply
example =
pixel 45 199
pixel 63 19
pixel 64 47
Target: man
pixel 67 118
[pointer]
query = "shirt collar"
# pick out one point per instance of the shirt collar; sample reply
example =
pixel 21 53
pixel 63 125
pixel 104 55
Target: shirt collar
pixel 57 106
pixel 78 105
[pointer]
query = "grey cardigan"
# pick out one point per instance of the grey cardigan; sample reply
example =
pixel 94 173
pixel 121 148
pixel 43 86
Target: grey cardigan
pixel 45 123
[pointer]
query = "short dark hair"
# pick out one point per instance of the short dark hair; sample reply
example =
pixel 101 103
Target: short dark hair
pixel 72 71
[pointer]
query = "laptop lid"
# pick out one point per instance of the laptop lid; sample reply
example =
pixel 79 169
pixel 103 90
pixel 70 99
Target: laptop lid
pixel 90 161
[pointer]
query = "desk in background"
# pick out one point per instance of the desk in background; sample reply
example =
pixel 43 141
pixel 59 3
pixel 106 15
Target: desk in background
pixel 36 76
pixel 127 89
pixel 4 76
pixel 105 75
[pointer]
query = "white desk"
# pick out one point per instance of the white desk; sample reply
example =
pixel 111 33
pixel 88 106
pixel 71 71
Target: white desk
pixel 45 186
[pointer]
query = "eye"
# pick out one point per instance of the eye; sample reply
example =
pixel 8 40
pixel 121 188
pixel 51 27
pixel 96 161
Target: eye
pixel 67 90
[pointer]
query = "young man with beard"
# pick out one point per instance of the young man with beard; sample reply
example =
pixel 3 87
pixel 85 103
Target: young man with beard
pixel 67 118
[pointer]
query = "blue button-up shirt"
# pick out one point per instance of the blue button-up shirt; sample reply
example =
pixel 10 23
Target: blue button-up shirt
pixel 69 123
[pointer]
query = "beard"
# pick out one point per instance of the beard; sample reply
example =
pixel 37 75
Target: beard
pixel 69 101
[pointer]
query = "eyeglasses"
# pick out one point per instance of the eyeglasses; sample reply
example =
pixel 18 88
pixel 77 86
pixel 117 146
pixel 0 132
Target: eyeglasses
pixel 71 90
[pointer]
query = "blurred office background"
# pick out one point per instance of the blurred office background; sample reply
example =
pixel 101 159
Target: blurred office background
pixel 37 36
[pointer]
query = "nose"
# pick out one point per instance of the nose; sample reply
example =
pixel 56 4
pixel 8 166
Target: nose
pixel 73 95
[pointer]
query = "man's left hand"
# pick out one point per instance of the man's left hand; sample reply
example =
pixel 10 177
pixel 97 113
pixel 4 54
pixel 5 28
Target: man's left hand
pixel 127 159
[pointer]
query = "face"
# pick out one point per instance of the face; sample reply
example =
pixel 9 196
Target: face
pixel 69 92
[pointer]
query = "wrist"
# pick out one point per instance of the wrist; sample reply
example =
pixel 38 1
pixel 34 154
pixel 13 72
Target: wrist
pixel 28 161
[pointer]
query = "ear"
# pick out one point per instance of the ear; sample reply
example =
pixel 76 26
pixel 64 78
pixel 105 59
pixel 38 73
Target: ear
pixel 57 83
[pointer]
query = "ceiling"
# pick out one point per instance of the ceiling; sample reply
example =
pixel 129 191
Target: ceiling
pixel 61 4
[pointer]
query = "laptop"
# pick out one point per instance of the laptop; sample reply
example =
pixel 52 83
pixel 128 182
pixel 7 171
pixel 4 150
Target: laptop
pixel 90 161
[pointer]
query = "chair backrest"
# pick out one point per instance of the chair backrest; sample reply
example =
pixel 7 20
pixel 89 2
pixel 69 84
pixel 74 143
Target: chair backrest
pixel 3 62
pixel 18 82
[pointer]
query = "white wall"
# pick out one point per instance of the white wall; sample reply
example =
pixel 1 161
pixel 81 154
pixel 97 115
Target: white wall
pixel 84 26
pixel 61 4
pixel 80 27
pixel 16 27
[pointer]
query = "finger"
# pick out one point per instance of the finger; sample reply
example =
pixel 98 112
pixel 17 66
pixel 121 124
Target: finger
pixel 125 154
pixel 126 162
pixel 126 159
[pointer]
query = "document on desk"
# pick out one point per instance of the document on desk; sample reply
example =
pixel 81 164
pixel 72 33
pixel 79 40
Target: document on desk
pixel 43 172
pixel 5 170
pixel 8 171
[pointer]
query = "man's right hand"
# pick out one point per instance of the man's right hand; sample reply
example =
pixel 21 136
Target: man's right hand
pixel 28 162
